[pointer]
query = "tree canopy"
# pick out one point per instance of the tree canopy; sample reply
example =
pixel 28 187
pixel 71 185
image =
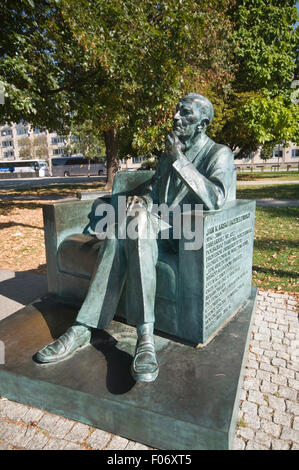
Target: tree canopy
pixel 123 65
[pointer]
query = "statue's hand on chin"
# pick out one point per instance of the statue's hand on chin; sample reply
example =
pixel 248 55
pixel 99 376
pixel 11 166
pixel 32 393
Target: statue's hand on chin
pixel 174 147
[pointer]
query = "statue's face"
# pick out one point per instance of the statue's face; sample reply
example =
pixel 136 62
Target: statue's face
pixel 186 119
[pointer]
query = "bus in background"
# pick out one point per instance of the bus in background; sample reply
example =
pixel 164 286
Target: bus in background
pixel 17 167
pixel 78 166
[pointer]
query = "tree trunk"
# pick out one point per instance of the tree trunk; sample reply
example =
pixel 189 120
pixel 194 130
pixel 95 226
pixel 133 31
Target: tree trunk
pixel 110 137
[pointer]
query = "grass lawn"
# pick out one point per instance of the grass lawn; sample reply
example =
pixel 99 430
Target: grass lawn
pixel 264 175
pixel 276 247
pixel 279 191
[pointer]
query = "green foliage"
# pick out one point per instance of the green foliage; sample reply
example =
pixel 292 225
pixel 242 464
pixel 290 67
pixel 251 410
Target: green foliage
pixel 85 139
pixel 150 164
pixel 124 64
pixel 260 109
pixel 33 148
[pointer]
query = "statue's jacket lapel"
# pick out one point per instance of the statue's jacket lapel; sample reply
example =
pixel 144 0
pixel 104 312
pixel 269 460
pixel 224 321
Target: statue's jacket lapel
pixel 197 155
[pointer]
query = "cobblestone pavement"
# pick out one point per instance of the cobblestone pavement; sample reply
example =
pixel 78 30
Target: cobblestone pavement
pixel 269 410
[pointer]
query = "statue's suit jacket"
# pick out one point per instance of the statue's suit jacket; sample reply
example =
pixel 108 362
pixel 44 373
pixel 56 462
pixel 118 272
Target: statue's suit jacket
pixel 203 175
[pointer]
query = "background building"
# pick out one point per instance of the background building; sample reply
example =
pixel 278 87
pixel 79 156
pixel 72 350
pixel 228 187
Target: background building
pixel 18 141
pixel 285 157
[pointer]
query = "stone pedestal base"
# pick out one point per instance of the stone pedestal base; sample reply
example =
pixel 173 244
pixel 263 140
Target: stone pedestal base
pixel 193 404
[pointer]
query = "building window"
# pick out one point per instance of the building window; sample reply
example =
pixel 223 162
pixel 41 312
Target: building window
pixel 22 131
pixel 57 140
pixel 6 132
pixel 8 154
pixel 138 159
pixel 277 153
pixel 295 153
pixel 58 151
pixel 7 143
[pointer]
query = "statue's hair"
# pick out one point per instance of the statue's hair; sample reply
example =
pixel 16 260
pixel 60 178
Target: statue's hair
pixel 203 103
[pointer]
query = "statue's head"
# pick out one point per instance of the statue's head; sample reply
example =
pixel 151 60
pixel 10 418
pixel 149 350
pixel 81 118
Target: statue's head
pixel 193 115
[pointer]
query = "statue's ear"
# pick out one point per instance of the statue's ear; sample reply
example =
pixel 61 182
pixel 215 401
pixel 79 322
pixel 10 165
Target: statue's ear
pixel 203 124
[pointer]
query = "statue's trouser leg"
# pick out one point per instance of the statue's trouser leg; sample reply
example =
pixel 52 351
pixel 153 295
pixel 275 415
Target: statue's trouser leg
pixel 107 282
pixel 142 255
pixel 132 261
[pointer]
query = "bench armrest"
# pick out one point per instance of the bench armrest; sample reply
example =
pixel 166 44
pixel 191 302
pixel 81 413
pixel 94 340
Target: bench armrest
pixel 61 219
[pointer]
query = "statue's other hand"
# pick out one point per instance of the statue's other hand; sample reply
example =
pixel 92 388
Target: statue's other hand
pixel 173 146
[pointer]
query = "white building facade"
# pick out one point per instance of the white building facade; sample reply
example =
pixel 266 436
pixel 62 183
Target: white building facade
pixel 285 157
pixel 14 136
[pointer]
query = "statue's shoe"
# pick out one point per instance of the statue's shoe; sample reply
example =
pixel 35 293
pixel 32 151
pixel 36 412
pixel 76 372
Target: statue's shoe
pixel 65 346
pixel 145 367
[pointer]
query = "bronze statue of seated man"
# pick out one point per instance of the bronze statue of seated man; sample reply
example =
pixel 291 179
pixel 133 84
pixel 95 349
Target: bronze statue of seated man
pixel 192 170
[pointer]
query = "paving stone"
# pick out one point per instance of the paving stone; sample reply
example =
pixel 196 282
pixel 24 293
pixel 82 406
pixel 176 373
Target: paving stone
pixel 262 438
pixel 268 387
pixel 263 375
pixel 246 433
pixel 253 364
pixel 282 418
pixel 267 345
pixel 283 355
pixel 290 435
pixel 251 383
pixel 253 422
pixel 78 433
pixel 256 350
pixel 38 441
pixel 278 444
pixel 265 412
pixel 292 407
pixel 269 368
pixel 117 443
pixel 61 428
pixel 279 347
pixel 8 430
pixel 276 361
pixel 294 384
pixel 55 444
pixel 270 428
pixel 4 446
pixel 286 392
pixel 238 444
pixel 136 446
pixel 277 403
pixel 270 353
pixel 250 373
pixel 279 380
pixel 256 397
pixel 277 334
pixel 22 436
pixel 265 359
pixel 48 421
pixel 73 446
pixel 252 445
pixel 13 411
pixel 249 408
pixel 296 423
pixel 262 337
pixel 98 439
pixel 33 415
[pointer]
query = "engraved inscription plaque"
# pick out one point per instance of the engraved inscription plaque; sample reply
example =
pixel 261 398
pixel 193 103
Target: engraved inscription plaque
pixel 228 249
